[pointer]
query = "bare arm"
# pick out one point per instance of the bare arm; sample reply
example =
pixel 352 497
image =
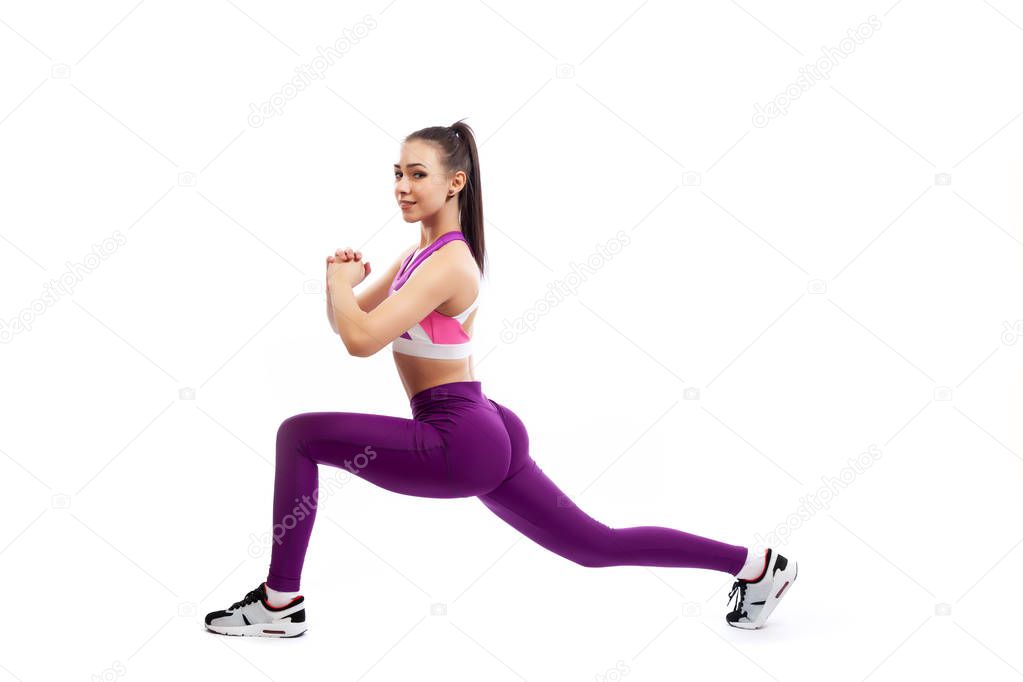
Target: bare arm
pixel 371 296
pixel 330 311
pixel 436 280
pixel 374 294
pixel 330 304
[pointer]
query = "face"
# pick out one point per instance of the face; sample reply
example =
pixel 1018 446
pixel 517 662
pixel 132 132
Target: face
pixel 420 177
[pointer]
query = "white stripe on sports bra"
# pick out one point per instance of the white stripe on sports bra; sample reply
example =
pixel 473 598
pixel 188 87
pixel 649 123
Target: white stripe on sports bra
pixel 420 344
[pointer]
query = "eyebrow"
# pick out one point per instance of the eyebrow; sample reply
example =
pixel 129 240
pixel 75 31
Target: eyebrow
pixel 411 164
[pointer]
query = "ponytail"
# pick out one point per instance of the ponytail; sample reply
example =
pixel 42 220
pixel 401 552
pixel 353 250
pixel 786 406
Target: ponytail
pixel 458 145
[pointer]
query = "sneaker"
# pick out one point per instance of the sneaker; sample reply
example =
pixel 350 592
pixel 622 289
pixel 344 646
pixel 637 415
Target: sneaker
pixel 758 598
pixel 254 617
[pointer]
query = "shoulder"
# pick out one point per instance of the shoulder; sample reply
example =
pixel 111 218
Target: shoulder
pixel 448 270
pixel 456 257
pixel 402 257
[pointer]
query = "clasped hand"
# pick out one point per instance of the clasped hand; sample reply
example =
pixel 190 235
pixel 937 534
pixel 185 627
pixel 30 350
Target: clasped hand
pixel 348 265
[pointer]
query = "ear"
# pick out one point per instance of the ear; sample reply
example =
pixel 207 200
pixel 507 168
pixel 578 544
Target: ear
pixel 458 181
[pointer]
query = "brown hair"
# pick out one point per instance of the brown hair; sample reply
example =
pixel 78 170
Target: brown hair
pixel 458 150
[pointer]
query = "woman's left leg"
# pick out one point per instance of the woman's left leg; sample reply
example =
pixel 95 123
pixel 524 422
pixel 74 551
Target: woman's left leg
pixel 531 503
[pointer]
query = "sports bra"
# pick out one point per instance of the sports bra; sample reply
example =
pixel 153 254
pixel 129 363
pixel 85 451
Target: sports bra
pixel 437 335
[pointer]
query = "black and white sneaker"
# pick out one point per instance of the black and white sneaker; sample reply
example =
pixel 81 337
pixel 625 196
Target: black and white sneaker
pixel 758 598
pixel 254 617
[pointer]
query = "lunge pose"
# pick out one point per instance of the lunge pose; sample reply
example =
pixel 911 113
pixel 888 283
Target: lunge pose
pixel 459 442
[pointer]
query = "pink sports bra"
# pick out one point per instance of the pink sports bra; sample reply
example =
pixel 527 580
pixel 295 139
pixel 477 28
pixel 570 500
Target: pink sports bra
pixel 437 335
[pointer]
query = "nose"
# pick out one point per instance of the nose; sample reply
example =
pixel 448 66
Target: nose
pixel 402 186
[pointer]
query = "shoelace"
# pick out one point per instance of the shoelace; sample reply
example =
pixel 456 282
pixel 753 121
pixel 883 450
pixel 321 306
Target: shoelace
pixel 253 596
pixel 738 588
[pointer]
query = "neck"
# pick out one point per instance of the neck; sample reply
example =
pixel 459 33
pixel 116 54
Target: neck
pixel 443 221
pixel 428 236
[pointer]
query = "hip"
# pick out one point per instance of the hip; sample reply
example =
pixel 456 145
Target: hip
pixel 454 398
pixel 466 418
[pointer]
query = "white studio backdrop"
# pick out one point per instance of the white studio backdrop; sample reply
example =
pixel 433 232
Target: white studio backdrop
pixel 755 273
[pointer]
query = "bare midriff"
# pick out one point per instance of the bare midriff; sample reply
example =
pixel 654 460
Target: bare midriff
pixel 418 374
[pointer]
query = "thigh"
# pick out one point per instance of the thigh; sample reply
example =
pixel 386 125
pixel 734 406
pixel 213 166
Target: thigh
pixel 533 504
pixel 402 455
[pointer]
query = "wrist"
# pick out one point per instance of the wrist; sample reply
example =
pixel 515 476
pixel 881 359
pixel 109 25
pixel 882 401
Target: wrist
pixel 338 281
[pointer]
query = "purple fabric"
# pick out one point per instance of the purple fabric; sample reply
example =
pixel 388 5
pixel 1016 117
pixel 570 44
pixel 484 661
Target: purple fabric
pixel 404 274
pixel 459 443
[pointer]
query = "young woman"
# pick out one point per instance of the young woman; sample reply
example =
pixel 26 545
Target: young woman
pixel 459 442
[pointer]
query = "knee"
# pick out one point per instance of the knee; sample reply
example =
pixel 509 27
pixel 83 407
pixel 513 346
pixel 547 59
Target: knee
pixel 288 426
pixel 585 562
pixel 590 559
pixel 289 438
pixel 594 549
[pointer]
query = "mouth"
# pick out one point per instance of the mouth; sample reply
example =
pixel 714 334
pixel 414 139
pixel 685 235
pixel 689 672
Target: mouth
pixel 406 204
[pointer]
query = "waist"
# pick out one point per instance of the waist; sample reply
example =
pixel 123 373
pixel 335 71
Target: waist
pixel 451 391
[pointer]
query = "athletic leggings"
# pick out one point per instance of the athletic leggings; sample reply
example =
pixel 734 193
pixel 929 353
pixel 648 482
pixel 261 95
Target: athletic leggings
pixel 459 443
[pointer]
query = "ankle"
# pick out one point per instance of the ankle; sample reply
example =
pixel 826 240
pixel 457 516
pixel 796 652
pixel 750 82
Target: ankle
pixel 754 566
pixel 278 597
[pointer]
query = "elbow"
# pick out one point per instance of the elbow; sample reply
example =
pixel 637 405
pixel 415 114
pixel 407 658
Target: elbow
pixel 366 350
pixel 360 342
pixel 351 345
pixel 354 349
pixel 353 339
pixel 361 347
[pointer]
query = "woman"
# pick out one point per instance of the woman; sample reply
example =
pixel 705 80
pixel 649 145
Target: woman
pixel 459 443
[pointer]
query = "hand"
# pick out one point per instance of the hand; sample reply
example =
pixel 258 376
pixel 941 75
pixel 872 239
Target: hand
pixel 347 264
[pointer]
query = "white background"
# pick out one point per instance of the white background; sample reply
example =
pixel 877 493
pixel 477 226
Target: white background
pixel 812 279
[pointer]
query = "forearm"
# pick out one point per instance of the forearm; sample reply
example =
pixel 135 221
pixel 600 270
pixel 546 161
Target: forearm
pixel 330 312
pixel 348 318
pixel 362 299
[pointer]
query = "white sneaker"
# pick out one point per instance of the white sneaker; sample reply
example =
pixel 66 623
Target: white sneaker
pixel 758 598
pixel 254 617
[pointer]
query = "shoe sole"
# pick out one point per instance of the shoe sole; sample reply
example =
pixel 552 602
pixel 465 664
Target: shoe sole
pixel 772 600
pixel 285 630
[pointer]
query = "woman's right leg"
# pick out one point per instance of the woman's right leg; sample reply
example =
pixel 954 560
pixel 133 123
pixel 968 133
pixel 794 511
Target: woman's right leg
pixel 401 455
pixel 531 503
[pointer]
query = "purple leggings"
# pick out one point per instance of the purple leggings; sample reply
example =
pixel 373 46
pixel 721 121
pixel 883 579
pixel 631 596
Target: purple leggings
pixel 459 443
